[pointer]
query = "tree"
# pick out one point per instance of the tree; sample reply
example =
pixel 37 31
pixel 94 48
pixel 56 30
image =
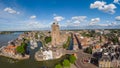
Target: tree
pixel 115 40
pixel 36 35
pixel 88 50
pixel 58 66
pixel 21 49
pixel 65 45
pixel 48 39
pixel 72 59
pixel 66 63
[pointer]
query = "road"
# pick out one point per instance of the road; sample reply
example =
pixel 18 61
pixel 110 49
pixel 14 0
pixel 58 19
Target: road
pixel 70 51
pixel 81 56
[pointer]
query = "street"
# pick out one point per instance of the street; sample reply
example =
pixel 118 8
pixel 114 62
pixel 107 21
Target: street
pixel 81 56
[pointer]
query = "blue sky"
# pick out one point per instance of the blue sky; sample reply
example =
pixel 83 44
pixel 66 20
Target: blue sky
pixel 38 14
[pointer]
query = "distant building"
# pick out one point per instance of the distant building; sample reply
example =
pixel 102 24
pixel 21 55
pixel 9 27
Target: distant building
pixel 84 42
pixel 55 33
pixel 96 48
pixel 47 55
pixel 10 50
pixel 115 62
pixel 111 57
pixel 119 39
pixel 105 62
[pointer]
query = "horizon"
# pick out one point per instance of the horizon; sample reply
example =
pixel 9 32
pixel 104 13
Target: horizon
pixel 22 15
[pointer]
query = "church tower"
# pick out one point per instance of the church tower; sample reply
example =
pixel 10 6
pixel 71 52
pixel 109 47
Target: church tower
pixel 55 34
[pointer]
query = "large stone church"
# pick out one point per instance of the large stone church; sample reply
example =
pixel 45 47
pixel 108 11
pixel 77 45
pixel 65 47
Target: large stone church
pixel 55 33
pixel 58 37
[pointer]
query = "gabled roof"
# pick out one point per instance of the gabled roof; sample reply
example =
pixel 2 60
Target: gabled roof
pixel 106 58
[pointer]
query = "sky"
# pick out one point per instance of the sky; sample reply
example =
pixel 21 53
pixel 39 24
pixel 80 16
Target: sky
pixel 40 14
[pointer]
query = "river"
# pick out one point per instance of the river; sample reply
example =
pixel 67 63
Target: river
pixel 4 38
pixel 29 63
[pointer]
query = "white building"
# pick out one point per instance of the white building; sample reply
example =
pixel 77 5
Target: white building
pixel 47 55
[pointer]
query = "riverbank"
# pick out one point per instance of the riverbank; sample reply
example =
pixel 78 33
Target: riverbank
pixel 17 57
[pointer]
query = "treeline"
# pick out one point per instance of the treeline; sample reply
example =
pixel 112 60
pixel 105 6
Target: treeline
pixel 6 32
pixel 65 45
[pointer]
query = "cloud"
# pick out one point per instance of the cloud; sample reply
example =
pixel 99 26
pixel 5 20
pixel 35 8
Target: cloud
pixel 94 21
pixel 102 6
pixel 108 8
pixel 77 21
pixel 34 24
pixel 116 1
pixel 97 4
pixel 58 18
pixel 113 23
pixel 32 17
pixel 68 21
pixel 104 24
pixel 117 18
pixel 79 18
pixel 11 11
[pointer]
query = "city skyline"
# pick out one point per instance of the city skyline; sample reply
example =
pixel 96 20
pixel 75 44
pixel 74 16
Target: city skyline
pixel 40 14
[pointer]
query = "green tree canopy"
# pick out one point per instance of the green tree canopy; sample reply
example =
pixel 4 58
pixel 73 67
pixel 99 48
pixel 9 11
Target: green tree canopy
pixel 66 63
pixel 36 35
pixel 72 58
pixel 65 45
pixel 21 49
pixel 58 66
pixel 115 40
pixel 48 39
pixel 88 50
